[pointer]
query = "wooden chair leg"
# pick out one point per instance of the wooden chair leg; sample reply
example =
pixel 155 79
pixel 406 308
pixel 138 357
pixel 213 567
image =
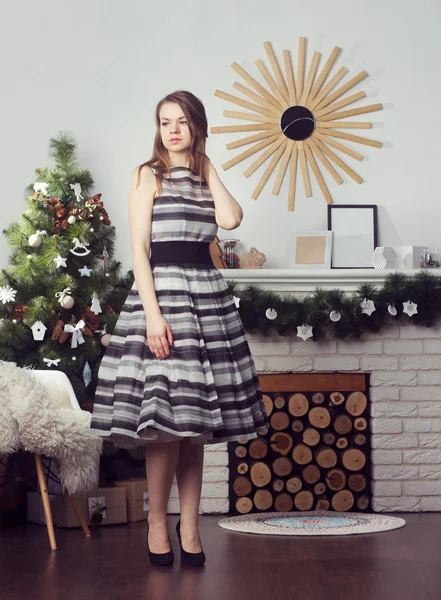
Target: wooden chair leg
pixel 80 515
pixel 76 508
pixel 46 503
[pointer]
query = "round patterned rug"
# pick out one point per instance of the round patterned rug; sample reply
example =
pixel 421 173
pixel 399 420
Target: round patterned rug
pixel 311 523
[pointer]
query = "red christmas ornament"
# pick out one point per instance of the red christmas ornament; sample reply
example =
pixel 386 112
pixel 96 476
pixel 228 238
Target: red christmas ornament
pixel 18 311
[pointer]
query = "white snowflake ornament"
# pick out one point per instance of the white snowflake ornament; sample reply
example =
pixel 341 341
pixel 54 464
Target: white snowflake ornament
pixel 410 308
pixel 304 332
pixel 271 314
pixel 367 307
pixel 7 294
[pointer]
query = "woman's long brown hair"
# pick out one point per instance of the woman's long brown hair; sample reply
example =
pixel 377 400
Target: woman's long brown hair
pixel 194 111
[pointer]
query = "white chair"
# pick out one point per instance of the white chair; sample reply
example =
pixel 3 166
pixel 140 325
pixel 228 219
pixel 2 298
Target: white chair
pixel 56 378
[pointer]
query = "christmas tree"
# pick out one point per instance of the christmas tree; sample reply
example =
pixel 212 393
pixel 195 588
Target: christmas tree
pixel 62 291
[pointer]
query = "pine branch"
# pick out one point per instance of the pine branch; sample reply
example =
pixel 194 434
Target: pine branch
pixel 38 309
pixel 63 149
pixel 84 178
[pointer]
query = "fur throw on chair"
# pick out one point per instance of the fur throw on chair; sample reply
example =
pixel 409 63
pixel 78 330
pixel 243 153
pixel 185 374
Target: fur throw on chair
pixel 39 419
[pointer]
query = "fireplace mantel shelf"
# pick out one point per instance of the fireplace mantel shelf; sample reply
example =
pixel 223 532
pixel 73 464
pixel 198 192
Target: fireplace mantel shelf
pixel 306 280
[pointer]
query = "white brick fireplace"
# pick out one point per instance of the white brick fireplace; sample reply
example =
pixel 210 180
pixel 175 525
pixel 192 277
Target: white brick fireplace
pixel 404 363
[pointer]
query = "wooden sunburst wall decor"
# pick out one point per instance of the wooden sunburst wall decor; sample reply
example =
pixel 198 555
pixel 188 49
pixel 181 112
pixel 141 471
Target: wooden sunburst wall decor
pixel 298 120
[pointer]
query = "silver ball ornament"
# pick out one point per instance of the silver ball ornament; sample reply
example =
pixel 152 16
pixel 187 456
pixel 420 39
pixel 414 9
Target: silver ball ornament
pixel 105 339
pixel 35 241
pixel 67 301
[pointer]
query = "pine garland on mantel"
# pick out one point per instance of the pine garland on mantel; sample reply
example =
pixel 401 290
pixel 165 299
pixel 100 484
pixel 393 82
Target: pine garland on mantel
pixel 337 314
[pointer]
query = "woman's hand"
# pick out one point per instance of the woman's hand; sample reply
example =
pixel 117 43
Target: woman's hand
pixel 159 336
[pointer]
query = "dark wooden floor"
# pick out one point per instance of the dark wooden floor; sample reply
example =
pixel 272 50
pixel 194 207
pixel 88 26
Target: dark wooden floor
pixel 401 565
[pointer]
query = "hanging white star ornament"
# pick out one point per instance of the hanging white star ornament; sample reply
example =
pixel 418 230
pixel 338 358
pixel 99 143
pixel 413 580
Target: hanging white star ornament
pixel 271 314
pixel 236 301
pixel 76 187
pixel 391 309
pixel 85 271
pixel 410 308
pixel 60 261
pixel 7 294
pixel 304 332
pixel 367 307
pixel 335 316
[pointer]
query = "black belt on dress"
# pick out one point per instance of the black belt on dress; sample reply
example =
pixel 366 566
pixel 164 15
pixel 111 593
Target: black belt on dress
pixel 180 251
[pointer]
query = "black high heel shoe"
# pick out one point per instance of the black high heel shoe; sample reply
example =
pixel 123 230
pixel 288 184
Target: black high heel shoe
pixel 189 559
pixel 164 559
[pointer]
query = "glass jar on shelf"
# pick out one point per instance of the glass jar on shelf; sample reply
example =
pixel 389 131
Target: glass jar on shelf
pixel 430 258
pixel 231 252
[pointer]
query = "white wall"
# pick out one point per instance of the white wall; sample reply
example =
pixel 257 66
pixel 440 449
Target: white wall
pixel 99 67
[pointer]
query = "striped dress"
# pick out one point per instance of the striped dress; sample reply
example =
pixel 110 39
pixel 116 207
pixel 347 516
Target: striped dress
pixel 208 389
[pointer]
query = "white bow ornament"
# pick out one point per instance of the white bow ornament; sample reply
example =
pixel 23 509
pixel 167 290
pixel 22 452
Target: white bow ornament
pixel 77 336
pixel 51 361
pixel 66 292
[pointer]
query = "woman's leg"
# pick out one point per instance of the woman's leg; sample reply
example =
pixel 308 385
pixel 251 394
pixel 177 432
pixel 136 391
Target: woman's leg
pixel 161 460
pixel 189 479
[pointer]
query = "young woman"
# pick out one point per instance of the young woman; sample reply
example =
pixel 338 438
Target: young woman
pixel 178 372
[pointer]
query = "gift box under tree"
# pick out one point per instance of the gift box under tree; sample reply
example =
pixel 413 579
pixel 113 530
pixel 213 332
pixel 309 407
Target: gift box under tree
pixel 101 506
pixel 137 498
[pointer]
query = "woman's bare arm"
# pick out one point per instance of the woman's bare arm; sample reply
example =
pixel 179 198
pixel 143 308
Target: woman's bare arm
pixel 228 211
pixel 141 198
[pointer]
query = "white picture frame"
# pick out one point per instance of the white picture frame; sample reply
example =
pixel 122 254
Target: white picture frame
pixel 311 250
pixel 354 228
